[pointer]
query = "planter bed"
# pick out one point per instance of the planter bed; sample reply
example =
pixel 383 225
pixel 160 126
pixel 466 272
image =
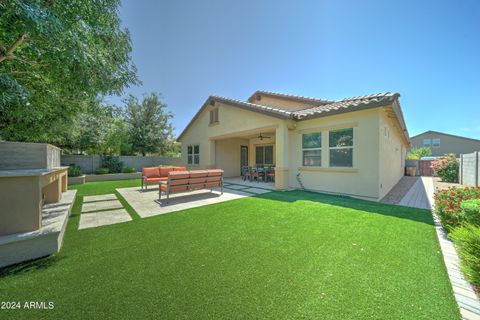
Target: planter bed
pixel 76 180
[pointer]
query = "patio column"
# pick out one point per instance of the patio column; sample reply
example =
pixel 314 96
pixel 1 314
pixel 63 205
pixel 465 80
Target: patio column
pixel 281 155
pixel 211 162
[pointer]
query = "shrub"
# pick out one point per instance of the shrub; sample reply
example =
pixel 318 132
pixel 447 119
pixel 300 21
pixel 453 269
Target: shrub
pixel 467 240
pixel 418 153
pixel 74 171
pixel 128 169
pixel 113 164
pixel 447 204
pixel 471 211
pixel 446 168
pixel 102 171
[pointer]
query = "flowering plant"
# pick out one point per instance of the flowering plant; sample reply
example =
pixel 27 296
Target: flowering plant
pixel 447 204
pixel 446 168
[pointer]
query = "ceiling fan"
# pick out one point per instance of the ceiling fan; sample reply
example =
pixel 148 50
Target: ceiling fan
pixel 261 137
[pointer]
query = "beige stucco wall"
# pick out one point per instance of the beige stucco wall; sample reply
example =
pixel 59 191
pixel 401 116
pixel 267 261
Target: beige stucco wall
pixel 233 122
pixel 392 150
pixel 448 144
pixel 377 163
pixel 287 104
pixel 227 155
pixel 362 179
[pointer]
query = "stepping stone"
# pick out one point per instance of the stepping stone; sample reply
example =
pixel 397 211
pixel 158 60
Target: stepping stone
pixel 101 205
pixel 235 187
pixel 257 190
pixel 101 197
pixel 103 218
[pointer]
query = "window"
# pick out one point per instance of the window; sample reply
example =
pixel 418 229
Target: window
pixel 426 142
pixel 436 142
pixel 193 154
pixel 264 155
pixel 214 116
pixel 312 149
pixel 341 148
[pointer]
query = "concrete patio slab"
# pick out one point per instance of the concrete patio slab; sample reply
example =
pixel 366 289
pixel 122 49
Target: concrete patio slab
pixel 101 205
pixel 146 203
pixel 101 197
pixel 235 187
pixel 102 218
pixel 256 190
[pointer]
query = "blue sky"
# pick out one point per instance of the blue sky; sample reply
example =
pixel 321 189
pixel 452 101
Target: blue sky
pixel 428 51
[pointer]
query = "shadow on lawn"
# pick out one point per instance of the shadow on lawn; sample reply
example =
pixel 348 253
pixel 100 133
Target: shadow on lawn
pixel 414 214
pixel 29 266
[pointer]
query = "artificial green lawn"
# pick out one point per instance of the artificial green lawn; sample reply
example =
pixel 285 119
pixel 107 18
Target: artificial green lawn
pixel 282 255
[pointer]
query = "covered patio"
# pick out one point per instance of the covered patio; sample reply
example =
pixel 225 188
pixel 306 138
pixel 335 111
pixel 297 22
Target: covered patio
pixel 257 148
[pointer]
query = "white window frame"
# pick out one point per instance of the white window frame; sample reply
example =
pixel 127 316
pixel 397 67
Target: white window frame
pixel 312 149
pixel 429 144
pixel 433 143
pixel 191 155
pixel 339 148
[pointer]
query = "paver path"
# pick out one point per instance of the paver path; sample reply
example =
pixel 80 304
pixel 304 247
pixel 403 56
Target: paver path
pixel 102 210
pixel 466 298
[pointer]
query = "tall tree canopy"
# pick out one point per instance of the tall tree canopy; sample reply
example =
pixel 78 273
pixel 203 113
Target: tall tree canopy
pixel 56 59
pixel 150 127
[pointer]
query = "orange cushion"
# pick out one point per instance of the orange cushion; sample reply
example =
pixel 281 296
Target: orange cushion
pixel 151 172
pixel 165 171
pixel 215 172
pixel 214 179
pixel 155 179
pixel 180 169
pixel 175 175
pixel 198 173
pixel 181 188
pixel 212 184
pixel 196 180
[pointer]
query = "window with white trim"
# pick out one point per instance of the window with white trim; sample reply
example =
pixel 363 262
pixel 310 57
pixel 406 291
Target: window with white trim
pixel 214 116
pixel 193 154
pixel 341 147
pixel 312 149
pixel 436 142
pixel 426 142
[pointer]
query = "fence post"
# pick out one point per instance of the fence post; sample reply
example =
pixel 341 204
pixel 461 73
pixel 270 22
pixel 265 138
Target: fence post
pixel 476 169
pixel 460 171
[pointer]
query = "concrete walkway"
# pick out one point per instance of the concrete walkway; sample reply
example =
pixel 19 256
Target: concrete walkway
pixel 421 195
pixel 102 210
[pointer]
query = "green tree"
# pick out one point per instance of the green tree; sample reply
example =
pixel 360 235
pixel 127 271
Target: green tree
pixel 150 127
pixel 56 59
pixel 418 153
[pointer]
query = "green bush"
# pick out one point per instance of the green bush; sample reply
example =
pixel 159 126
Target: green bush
pixel 128 169
pixel 467 240
pixel 102 170
pixel 113 164
pixel 74 171
pixel 446 168
pixel 448 201
pixel 471 211
pixel 418 153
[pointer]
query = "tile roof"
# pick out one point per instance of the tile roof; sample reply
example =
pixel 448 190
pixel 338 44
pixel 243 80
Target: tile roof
pixel 321 109
pixel 347 105
pixel 275 111
pixel 290 97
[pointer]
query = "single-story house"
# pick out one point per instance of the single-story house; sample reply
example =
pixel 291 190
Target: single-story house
pixel 443 143
pixel 355 146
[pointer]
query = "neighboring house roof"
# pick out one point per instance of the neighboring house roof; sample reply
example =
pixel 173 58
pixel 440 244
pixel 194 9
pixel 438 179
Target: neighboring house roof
pixel 314 101
pixel 325 108
pixel 445 134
